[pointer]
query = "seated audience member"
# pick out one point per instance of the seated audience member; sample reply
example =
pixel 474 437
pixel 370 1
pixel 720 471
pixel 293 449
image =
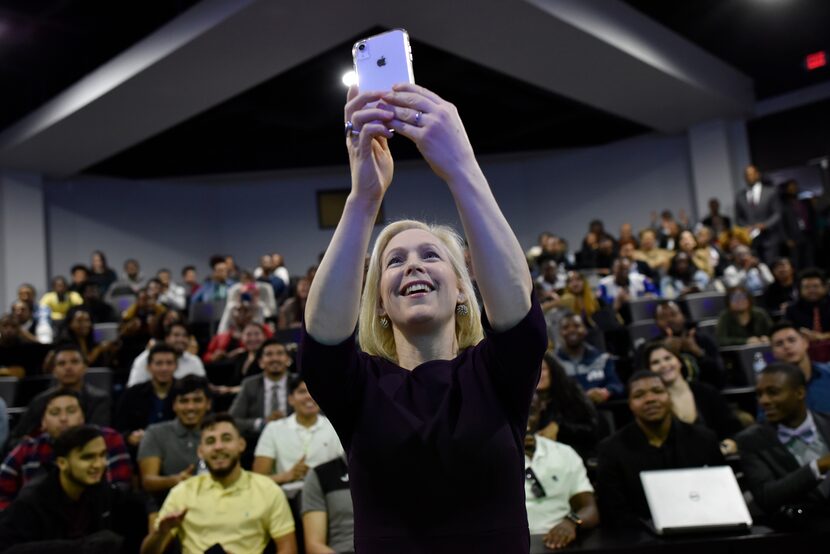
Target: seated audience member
pixel 32 456
pixel 139 324
pixel 27 293
pixel 260 295
pixel 693 402
pixel 741 322
pixel 291 311
pixel 78 331
pixel 627 235
pixel 698 256
pixel 69 371
pixel 654 440
pixel 786 460
pixel 78 275
pixel 605 254
pixel 229 344
pixel 100 273
pixel 682 278
pixel 592 369
pixel 245 362
pixel 701 359
pixel 781 292
pixel 556 249
pixel 669 228
pixel 32 329
pixel 171 294
pixel 290 446
pixel 238 510
pixel 264 398
pixel 657 258
pixel 792 347
pixel 60 299
pixel 622 285
pixel 72 507
pixel 216 286
pixel 628 250
pixel 558 495
pixel 579 298
pixel 747 271
pixel 18 356
pixel 280 271
pixel 327 510
pixel 150 402
pixel 565 413
pixel 177 336
pixel 715 220
pixel 100 311
pixel 811 312
pixel 708 244
pixel 167 454
pixel 131 280
pixel 190 281
pixel 550 279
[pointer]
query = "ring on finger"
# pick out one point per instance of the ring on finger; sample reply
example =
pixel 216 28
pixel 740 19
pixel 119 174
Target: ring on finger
pixel 418 115
pixel 350 130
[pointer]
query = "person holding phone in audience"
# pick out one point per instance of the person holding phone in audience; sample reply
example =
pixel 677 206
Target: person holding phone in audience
pixel 429 408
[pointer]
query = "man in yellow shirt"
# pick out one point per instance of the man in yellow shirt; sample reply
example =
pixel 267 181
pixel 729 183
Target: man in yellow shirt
pixel 235 509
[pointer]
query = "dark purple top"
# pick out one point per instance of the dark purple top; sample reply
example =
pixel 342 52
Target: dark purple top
pixel 436 454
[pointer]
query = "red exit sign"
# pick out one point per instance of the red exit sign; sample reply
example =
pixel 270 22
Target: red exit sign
pixel 815 60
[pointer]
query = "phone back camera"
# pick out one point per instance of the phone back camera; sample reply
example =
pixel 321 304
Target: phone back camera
pixel 362 51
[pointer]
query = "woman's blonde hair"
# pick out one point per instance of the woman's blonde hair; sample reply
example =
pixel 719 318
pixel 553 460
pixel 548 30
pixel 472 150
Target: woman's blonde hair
pixel 376 340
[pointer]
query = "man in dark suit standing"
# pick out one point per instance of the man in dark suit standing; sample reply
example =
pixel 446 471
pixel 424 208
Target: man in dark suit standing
pixel 786 459
pixel 263 398
pixel 758 207
pixel 654 440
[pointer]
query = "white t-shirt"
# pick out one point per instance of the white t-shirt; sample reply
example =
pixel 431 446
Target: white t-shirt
pixel 286 441
pixel 188 364
pixel 562 475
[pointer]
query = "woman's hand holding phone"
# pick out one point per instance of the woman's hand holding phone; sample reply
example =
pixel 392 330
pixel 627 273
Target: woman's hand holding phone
pixel 435 127
pixel 370 160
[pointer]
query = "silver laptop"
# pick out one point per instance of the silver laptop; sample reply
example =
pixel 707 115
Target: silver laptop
pixel 695 500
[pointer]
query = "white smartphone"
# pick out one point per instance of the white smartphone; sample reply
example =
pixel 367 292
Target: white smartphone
pixel 383 60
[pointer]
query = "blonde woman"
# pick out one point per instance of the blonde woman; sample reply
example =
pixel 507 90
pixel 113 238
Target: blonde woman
pixel 432 413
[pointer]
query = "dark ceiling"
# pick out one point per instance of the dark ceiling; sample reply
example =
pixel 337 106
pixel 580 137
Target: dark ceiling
pixel 295 119
pixel 765 39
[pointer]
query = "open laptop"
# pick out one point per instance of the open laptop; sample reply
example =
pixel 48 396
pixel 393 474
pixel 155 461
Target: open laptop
pixel 695 500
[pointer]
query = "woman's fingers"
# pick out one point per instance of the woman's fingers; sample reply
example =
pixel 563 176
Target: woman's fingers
pixel 407 115
pixel 409 131
pixel 362 117
pixel 412 100
pixel 371 131
pixel 357 101
pixel 412 87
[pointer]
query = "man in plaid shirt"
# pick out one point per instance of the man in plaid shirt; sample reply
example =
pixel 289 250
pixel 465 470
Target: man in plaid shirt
pixel 34 455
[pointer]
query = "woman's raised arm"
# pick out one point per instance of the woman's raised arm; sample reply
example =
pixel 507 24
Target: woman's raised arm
pixel 499 263
pixel 334 298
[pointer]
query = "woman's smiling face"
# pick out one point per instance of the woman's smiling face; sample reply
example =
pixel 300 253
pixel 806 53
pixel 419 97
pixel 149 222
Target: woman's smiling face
pixel 418 285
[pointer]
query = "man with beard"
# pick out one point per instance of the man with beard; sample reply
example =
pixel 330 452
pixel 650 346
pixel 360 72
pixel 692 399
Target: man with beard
pixel 264 398
pixel 228 507
pixel 73 508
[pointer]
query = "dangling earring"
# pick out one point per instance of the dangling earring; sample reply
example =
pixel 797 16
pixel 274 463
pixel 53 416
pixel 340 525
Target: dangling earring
pixel 384 322
pixel 462 310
